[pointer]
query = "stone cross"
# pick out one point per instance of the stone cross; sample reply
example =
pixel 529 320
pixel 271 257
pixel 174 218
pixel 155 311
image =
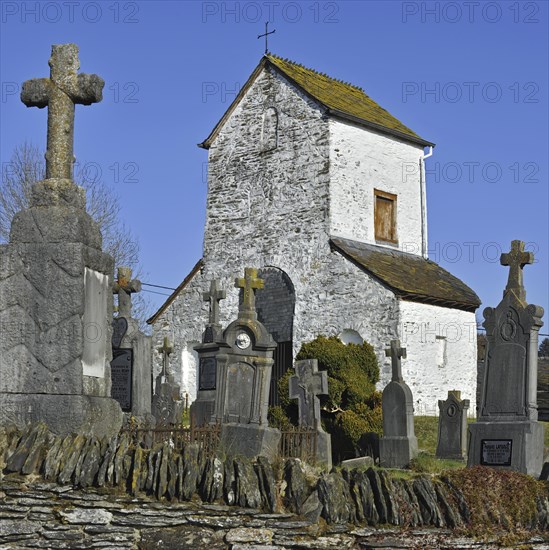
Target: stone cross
pixel 516 259
pixel 60 93
pixel 395 352
pixel 305 386
pixel 214 296
pixel 250 282
pixel 166 350
pixel 125 286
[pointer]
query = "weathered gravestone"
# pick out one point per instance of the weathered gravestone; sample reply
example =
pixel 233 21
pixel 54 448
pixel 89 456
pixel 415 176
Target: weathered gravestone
pixel 167 407
pixel 305 386
pixel 243 376
pixel 507 434
pixel 398 445
pixel 56 282
pixel 131 366
pixel 212 346
pixel 452 427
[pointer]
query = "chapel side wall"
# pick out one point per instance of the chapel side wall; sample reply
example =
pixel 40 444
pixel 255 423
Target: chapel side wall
pixel 362 160
pixel 441 346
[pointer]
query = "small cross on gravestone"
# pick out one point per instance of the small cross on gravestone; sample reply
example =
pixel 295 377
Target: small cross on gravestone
pixel 166 350
pixel 125 286
pixel 305 386
pixel 60 93
pixel 213 296
pixel 249 283
pixel 516 259
pixel 395 352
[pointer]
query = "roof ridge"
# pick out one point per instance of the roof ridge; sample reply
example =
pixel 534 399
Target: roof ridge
pixel 325 75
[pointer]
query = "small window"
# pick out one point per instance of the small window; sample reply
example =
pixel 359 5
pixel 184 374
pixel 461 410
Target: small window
pixel 385 216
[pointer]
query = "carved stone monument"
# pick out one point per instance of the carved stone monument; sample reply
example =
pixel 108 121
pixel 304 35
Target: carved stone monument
pixel 167 406
pixel 209 351
pixel 452 427
pixel 243 376
pixel 56 282
pixel 305 386
pixel 398 445
pixel 131 366
pixel 507 434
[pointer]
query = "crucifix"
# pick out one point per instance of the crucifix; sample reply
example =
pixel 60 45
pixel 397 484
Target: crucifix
pixel 214 296
pixel 395 352
pixel 166 350
pixel 125 286
pixel 516 259
pixel 266 35
pixel 60 93
pixel 250 282
pixel 305 386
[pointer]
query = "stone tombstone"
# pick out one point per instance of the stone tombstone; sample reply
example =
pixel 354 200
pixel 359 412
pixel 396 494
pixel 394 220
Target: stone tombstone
pixel 307 384
pixel 398 446
pixel 167 406
pixel 243 376
pixel 56 282
pixel 131 367
pixel 507 433
pixel 452 427
pixel 213 344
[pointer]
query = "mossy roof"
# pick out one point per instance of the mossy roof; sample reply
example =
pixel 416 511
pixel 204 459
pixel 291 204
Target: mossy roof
pixel 341 99
pixel 410 276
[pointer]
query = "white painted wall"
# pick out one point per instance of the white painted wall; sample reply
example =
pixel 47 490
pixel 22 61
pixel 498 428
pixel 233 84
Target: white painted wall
pixel 441 346
pixel 361 161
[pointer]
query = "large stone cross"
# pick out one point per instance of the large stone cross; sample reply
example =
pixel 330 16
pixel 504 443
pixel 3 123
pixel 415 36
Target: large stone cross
pixel 250 282
pixel 60 93
pixel 395 352
pixel 214 296
pixel 166 350
pixel 516 259
pixel 305 386
pixel 125 286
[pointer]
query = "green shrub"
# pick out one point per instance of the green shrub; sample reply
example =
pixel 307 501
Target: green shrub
pixel 353 406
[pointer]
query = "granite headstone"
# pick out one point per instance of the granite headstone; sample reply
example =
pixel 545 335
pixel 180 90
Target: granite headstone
pixel 452 427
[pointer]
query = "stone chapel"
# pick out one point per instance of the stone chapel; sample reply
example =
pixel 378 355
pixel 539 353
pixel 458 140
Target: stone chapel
pixel 323 190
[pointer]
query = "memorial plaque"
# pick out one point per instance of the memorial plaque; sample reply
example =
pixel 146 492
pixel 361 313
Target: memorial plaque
pixel 121 376
pixel 496 452
pixel 119 329
pixel 208 369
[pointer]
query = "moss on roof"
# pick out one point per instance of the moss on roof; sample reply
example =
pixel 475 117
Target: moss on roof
pixel 410 276
pixel 341 96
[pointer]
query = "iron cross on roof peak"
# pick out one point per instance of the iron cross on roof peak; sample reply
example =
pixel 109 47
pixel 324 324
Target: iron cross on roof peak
pixel 266 35
pixel 516 259
pixel 60 93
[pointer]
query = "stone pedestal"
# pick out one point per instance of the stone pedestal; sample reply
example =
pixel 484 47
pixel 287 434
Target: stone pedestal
pixel 249 440
pixel 507 445
pixel 55 316
pixel 397 451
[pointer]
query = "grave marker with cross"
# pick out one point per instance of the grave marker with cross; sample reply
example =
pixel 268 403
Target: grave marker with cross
pixel 516 259
pixel 395 352
pixel 214 296
pixel 249 283
pixel 60 93
pixel 166 350
pixel 305 386
pixel 125 286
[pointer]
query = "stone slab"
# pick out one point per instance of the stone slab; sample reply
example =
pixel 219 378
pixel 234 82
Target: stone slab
pixel 250 440
pixel 397 452
pixel 63 414
pixel 526 445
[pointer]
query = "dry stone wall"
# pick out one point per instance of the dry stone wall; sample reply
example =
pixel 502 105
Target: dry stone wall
pixel 78 492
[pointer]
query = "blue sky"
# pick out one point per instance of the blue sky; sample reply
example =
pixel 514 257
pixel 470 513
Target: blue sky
pixel 470 76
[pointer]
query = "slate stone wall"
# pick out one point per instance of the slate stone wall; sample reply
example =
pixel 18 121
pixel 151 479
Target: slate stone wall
pixel 82 496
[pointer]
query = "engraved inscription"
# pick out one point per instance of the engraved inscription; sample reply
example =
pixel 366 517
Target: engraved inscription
pixel 121 376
